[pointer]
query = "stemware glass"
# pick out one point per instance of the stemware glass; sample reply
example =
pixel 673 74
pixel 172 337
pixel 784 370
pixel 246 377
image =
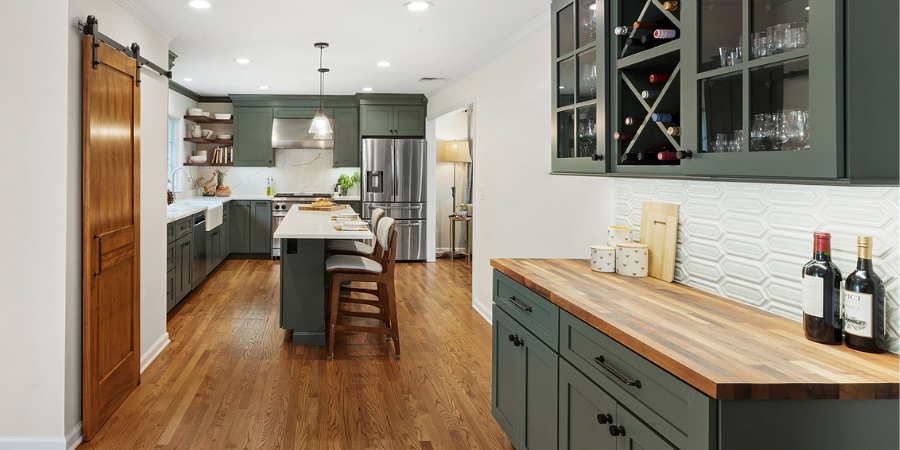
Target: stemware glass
pixel 769 131
pixel 757 131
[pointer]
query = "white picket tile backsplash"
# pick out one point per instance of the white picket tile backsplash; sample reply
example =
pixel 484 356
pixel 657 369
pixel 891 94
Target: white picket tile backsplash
pixel 748 241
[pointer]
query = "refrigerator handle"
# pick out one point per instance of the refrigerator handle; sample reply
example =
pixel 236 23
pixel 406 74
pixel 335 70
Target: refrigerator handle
pixel 374 181
pixel 396 169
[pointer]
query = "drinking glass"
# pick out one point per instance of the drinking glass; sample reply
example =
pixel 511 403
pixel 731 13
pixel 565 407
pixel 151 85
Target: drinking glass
pixel 737 144
pixel 768 132
pixel 721 144
pixel 737 55
pixel 725 56
pixel 760 48
pixel 783 122
pixel 775 37
pixel 795 36
pixel 757 131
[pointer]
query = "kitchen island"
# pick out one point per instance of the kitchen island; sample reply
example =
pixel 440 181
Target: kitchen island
pixel 303 283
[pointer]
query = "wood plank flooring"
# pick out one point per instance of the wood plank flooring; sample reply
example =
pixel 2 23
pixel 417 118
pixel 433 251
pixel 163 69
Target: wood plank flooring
pixel 231 379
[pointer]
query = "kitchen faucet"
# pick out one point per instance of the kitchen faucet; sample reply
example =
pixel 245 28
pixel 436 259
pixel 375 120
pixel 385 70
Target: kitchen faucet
pixel 190 180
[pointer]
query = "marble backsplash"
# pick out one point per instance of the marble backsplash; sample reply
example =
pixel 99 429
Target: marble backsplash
pixel 294 171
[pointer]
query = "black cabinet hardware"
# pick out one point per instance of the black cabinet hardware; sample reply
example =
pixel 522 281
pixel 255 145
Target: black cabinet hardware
pixel 604 418
pixel 602 362
pixel 514 338
pixel 525 308
pixel 617 430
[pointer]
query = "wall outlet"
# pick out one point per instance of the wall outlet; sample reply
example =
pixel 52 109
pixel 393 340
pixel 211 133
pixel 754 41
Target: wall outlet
pixel 481 192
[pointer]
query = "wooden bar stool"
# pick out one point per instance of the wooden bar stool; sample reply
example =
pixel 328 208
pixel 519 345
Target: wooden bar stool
pixel 351 247
pixel 380 270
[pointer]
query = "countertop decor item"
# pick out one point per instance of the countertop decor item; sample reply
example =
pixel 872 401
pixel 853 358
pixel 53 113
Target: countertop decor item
pixel 603 258
pixel 659 230
pixel 631 259
pixel 347 182
pixel 617 235
pixel 310 207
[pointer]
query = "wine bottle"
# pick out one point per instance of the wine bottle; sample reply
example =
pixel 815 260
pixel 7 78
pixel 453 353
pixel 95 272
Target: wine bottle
pixel 646 25
pixel 620 136
pixel 630 157
pixel 636 42
pixel 821 294
pixel 653 158
pixel 631 121
pixel 674 156
pixel 671 5
pixel 665 33
pixel 664 117
pixel 659 78
pixel 648 94
pixel 622 31
pixel 674 131
pixel 864 318
pixel 650 41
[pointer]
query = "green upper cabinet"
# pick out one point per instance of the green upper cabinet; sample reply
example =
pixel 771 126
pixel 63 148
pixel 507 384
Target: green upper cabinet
pixel 579 31
pixel 253 137
pixel 751 89
pixel 392 121
pixel 346 137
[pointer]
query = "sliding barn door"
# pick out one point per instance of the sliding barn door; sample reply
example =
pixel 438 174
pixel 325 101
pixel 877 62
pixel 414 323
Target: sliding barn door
pixel 111 219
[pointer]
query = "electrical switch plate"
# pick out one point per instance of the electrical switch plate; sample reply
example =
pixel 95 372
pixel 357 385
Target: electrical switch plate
pixel 481 192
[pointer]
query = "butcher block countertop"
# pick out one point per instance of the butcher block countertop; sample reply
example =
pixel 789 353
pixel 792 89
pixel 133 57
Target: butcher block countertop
pixel 723 348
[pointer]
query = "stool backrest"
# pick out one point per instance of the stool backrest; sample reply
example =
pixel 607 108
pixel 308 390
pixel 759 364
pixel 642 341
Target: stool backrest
pixel 387 239
pixel 377 214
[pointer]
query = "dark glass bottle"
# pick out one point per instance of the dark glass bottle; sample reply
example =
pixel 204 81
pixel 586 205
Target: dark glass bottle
pixel 664 117
pixel 821 294
pixel 631 121
pixel 659 77
pixel 674 156
pixel 622 31
pixel 864 304
pixel 663 23
pixel 636 42
pixel 621 136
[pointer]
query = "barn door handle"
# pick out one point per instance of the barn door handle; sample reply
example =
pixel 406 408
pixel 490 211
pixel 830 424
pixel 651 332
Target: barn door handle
pixel 99 255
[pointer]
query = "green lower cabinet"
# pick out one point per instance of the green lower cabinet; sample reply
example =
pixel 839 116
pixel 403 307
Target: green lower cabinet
pixel 523 368
pixel 213 244
pixel 224 237
pixel 240 226
pixel 261 227
pixel 635 435
pixel 170 290
pixel 585 412
pixel 184 258
pixel 249 227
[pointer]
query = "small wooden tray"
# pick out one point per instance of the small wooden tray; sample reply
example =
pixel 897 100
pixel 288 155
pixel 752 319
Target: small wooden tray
pixel 320 208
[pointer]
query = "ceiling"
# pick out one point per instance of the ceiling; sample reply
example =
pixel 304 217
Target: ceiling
pixel 277 36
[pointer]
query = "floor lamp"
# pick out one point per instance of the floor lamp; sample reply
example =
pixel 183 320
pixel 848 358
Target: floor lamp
pixel 455 152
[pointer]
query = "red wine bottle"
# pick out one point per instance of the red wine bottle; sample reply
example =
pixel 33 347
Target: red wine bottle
pixel 636 42
pixel 864 314
pixel 674 156
pixel 664 117
pixel 650 24
pixel 650 41
pixel 821 294
pixel 652 159
pixel 659 78
pixel 622 31
pixel 630 157
pixel 620 136
pixel 665 34
pixel 631 121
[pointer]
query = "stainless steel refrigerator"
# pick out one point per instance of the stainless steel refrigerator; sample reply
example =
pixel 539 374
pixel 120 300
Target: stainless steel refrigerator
pixel 394 180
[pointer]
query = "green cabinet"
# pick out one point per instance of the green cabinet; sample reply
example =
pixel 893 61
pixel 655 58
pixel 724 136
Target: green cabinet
pixel 171 266
pixel 261 227
pixel 585 412
pixel 213 249
pixel 240 226
pixel 253 137
pixel 346 137
pixel 579 30
pixel 170 290
pixel 357 206
pixel 184 254
pixel 523 369
pixel 225 234
pixel 392 120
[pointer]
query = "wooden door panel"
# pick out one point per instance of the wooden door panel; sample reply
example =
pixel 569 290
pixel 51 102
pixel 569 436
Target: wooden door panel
pixel 111 233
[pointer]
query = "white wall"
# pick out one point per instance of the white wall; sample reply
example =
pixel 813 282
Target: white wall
pixel 526 212
pixel 451 127
pixel 120 25
pixel 178 107
pixel 33 233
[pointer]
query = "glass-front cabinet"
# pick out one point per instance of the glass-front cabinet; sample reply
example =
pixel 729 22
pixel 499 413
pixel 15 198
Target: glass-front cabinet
pixel 579 87
pixel 752 89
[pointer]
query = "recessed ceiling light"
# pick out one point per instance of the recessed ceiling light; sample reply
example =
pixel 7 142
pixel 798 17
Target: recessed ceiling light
pixel 263 87
pixel 368 89
pixel 242 61
pixel 383 64
pixel 188 79
pixel 200 4
pixel 593 6
pixel 418 6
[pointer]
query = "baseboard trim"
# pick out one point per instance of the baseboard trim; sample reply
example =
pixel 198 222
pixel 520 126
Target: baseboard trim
pixel 75 437
pixel 11 443
pixel 485 313
pixel 154 351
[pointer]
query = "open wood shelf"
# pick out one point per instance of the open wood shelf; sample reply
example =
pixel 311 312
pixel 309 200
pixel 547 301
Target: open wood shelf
pixel 209 141
pixel 204 119
pixel 209 164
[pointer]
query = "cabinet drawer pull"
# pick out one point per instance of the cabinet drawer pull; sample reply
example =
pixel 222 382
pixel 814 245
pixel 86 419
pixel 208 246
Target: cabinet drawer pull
pixel 602 362
pixel 525 308
pixel 617 430
pixel 515 340
pixel 604 418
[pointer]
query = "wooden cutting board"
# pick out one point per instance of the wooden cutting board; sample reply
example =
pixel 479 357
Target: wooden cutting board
pixel 659 230
pixel 320 208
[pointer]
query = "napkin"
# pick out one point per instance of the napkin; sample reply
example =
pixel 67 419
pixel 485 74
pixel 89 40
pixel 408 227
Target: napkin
pixel 351 228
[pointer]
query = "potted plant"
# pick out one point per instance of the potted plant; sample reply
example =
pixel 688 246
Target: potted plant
pixel 347 182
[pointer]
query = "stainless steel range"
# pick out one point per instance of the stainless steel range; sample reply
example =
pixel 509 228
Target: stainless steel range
pixel 281 204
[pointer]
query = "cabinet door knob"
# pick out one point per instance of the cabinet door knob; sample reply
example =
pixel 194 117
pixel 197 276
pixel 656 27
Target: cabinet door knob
pixel 515 340
pixel 617 430
pixel 512 337
pixel 604 418
pixel 597 157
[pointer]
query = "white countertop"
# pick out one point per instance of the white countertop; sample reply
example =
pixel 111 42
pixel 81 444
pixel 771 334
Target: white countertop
pixel 315 225
pixel 191 206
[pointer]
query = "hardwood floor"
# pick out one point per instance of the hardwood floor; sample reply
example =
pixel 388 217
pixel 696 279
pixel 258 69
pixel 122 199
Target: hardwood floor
pixel 231 379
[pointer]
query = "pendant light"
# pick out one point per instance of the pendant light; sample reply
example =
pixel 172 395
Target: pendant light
pixel 320 124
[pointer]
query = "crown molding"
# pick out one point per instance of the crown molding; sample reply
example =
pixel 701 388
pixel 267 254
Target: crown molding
pixel 142 13
pixel 514 41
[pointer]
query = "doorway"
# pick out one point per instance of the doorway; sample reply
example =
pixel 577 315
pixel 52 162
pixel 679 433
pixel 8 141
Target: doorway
pixel 454 170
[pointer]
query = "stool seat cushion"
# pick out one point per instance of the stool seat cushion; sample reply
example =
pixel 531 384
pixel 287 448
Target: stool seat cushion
pixel 343 245
pixel 351 262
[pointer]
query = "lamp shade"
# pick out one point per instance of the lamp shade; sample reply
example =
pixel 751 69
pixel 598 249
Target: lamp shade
pixel 455 151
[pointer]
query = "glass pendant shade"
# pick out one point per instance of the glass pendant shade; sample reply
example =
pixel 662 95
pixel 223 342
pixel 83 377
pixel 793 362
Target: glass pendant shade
pixel 321 126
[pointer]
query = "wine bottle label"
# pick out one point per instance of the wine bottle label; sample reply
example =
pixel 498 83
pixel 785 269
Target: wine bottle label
pixel 811 291
pixel 858 313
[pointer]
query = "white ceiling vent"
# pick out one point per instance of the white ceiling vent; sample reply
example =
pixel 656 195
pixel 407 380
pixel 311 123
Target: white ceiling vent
pixel 432 79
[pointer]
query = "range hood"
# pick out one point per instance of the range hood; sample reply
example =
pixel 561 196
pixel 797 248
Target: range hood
pixel 294 133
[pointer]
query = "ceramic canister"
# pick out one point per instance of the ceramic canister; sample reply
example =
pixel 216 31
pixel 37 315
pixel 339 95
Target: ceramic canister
pixel 632 260
pixel 617 235
pixel 603 258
